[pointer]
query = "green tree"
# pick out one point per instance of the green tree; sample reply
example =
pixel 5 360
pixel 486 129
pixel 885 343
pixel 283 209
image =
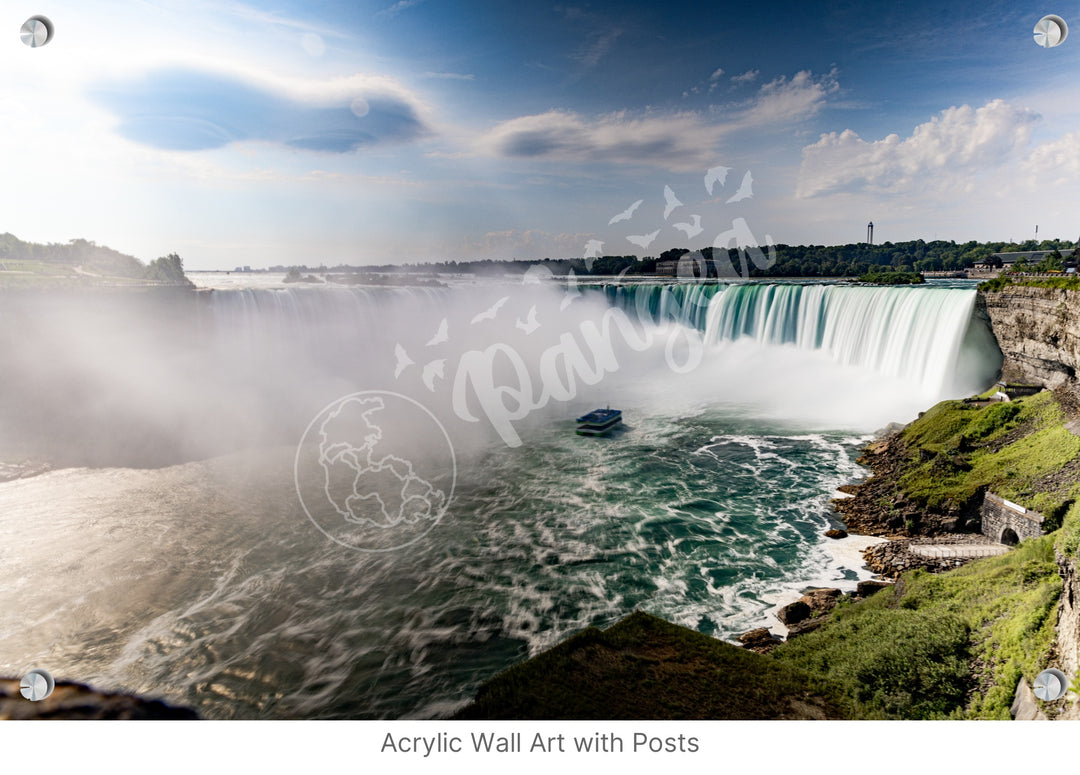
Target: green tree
pixel 168 270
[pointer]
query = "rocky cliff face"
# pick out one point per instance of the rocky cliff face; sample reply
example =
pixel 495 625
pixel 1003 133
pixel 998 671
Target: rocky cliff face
pixel 1038 331
pixel 1067 645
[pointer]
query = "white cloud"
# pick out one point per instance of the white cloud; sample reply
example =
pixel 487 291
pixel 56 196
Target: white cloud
pixel 748 77
pixel 716 74
pixel 1054 162
pixel 950 149
pixel 783 100
pixel 677 141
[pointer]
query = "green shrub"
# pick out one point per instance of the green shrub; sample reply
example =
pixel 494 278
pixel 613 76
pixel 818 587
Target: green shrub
pixel 950 645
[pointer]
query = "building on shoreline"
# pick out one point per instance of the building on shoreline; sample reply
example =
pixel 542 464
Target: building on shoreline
pixel 1031 257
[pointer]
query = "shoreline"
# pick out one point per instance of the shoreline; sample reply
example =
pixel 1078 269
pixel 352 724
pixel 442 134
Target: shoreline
pixel 845 553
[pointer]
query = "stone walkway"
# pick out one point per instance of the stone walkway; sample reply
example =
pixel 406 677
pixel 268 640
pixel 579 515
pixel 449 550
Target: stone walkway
pixel 958 551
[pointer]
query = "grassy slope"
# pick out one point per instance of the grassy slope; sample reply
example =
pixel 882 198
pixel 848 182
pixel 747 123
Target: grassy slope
pixel 31 265
pixel 1069 283
pixel 646 668
pixel 1014 449
pixel 28 274
pixel 941 645
pixel 955 644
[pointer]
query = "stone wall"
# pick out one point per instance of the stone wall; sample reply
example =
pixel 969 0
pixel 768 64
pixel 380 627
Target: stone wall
pixel 1038 331
pixel 999 515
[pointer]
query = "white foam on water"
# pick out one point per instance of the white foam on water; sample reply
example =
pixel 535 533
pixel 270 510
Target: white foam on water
pixel 845 554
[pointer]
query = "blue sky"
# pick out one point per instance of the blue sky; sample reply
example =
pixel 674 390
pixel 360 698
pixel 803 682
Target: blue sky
pixel 268 133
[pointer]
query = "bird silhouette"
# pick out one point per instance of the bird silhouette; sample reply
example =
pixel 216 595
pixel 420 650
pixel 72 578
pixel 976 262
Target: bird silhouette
pixel 432 371
pixel 592 252
pixel 745 191
pixel 572 293
pixel 691 230
pixel 403 360
pixel 491 312
pixel 626 214
pixel 440 336
pixel 715 175
pixel 670 201
pixel 530 323
pixel 643 240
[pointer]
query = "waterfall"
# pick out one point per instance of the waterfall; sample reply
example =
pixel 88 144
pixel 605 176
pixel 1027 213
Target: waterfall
pixel 919 334
pixel 247 310
pixel 911 332
pixel 684 303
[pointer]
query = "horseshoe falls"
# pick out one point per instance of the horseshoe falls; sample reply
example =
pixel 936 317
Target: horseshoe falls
pixel 177 499
pixel 833 355
pixel 910 333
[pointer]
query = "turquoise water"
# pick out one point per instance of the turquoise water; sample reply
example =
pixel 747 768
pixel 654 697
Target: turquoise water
pixel 206 583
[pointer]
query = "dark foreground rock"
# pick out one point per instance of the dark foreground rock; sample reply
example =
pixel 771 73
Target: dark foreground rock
pixel 793 613
pixel 805 626
pixel 76 701
pixel 821 601
pixel 836 533
pixel 760 641
pixel 867 588
pixel 646 668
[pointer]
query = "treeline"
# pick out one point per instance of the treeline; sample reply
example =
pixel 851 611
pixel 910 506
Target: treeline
pixel 914 256
pixel 94 259
pixel 852 260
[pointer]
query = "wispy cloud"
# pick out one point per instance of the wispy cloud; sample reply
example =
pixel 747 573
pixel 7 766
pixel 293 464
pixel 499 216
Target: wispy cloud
pixel 748 77
pixel 717 73
pixel 677 141
pixel 598 46
pixel 949 150
pixel 185 109
pixel 597 34
pixel 398 7
pixel 783 100
pixel 450 76
pixel 248 13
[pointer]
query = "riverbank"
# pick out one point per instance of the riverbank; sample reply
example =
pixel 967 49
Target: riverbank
pixel 949 644
pixel 933 646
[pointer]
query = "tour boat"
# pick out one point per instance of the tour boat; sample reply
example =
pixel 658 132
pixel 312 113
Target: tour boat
pixel 599 422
